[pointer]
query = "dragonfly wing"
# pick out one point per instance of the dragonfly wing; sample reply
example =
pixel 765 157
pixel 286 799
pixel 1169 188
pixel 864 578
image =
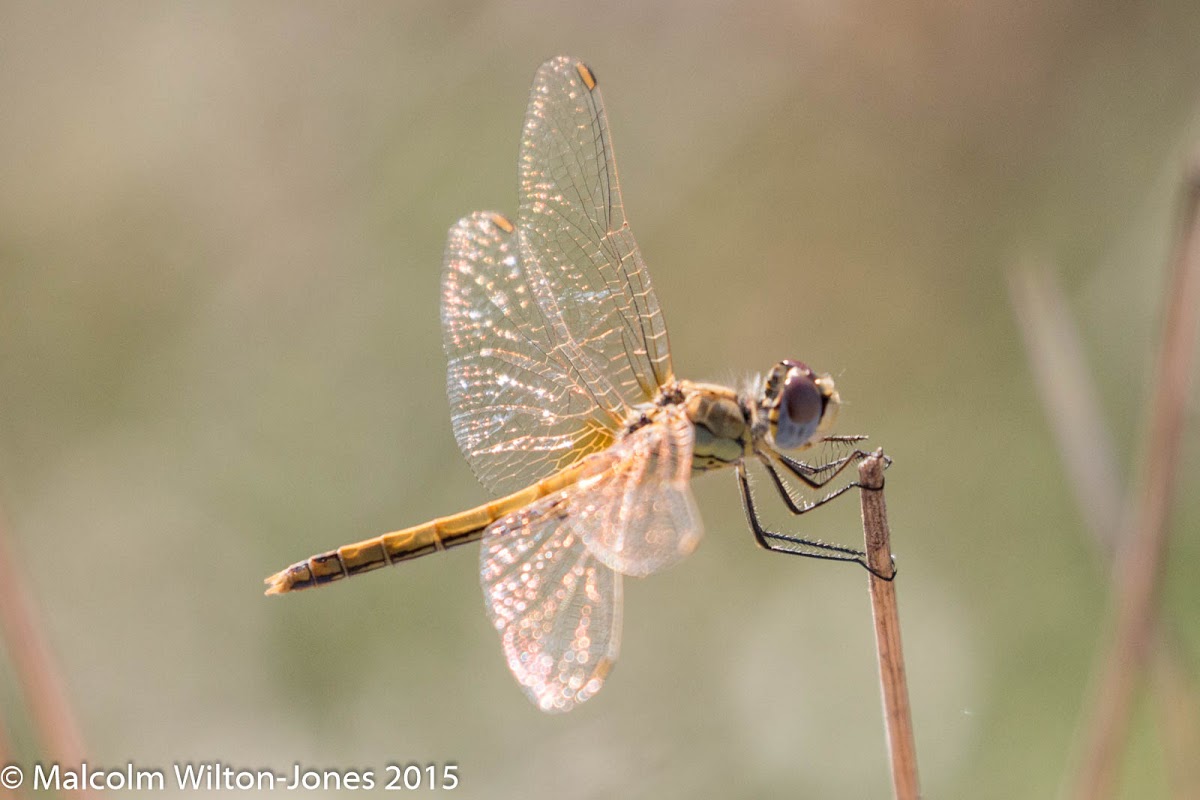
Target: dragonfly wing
pixel 572 225
pixel 639 516
pixel 551 326
pixel 521 409
pixel 557 608
pixel 551 572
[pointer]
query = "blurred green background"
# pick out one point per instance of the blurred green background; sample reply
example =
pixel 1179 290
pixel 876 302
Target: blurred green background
pixel 221 230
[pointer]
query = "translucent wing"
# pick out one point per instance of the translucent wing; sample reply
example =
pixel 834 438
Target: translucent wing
pixel 551 327
pixel 520 407
pixel 640 517
pixel 558 609
pixel 551 573
pixel 572 223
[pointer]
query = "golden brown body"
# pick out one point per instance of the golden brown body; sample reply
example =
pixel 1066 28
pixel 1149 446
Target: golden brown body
pixel 722 422
pixel 431 537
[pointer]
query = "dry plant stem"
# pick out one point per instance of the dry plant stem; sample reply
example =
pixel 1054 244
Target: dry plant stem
pixel 897 713
pixel 1140 563
pixel 35 667
pixel 1072 407
pixel 1181 720
pixel 1070 399
pixel 5 748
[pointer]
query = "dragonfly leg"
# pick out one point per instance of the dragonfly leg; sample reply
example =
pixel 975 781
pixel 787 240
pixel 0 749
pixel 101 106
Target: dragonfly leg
pixel 803 506
pixel 796 545
pixel 816 476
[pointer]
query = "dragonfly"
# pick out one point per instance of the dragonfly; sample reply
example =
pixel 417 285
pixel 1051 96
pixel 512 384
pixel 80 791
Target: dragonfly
pixel 565 403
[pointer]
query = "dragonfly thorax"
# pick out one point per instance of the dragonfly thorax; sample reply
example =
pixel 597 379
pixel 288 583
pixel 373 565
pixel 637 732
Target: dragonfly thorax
pixel 722 420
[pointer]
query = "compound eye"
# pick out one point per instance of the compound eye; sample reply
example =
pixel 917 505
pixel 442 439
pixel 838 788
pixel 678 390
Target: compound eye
pixel 800 409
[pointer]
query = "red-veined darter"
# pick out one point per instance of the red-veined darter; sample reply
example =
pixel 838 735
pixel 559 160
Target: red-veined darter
pixel 564 401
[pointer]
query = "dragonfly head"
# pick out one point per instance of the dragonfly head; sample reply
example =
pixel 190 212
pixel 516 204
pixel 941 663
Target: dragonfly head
pixel 797 405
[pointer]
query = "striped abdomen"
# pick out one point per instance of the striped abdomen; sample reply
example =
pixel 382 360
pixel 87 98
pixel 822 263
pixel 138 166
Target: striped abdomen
pixel 431 537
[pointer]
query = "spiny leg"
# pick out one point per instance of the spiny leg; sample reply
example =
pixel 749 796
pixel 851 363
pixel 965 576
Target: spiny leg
pixel 768 539
pixel 803 506
pixel 799 546
pixel 816 476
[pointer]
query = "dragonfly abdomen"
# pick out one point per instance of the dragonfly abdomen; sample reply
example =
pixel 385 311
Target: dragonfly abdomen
pixel 421 540
pixel 365 556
